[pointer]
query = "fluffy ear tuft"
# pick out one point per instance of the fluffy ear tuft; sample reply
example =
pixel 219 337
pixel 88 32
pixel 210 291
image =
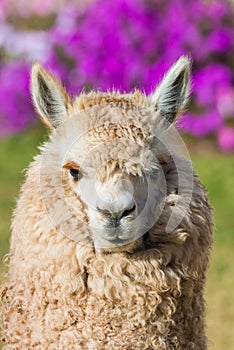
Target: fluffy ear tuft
pixel 49 96
pixel 172 94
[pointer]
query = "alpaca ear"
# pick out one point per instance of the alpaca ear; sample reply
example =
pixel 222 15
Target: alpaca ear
pixel 49 96
pixel 172 94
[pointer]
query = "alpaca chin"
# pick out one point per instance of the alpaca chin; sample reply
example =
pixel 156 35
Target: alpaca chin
pixel 128 248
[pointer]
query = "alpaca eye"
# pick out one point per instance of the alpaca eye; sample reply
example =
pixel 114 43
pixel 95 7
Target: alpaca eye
pixel 76 174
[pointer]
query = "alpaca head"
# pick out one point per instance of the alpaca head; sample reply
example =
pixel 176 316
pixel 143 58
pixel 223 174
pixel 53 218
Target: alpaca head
pixel 109 152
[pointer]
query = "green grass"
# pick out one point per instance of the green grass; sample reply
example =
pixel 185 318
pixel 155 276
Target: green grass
pixel 217 174
pixel 15 154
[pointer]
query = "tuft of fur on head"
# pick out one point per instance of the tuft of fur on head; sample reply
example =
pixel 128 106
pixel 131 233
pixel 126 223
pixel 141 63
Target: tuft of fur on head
pixel 54 105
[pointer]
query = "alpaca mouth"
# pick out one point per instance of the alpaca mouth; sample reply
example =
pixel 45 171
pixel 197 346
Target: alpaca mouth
pixel 118 236
pixel 119 241
pixel 119 245
pixel 109 238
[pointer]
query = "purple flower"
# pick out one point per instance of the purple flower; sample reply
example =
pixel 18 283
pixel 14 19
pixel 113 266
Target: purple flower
pixel 226 139
pixel 225 100
pixel 203 124
pixel 126 44
pixel 15 108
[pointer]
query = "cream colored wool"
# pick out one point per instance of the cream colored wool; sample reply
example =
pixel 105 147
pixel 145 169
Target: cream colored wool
pixel 62 293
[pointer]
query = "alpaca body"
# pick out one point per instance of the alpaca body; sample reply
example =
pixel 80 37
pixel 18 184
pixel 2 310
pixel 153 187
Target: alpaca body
pixel 65 290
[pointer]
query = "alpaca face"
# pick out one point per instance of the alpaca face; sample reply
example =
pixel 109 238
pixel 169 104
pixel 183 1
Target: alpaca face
pixel 111 153
pixel 122 196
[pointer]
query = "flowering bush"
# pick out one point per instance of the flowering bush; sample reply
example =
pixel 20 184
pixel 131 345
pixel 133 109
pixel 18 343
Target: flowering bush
pixel 131 43
pixel 15 107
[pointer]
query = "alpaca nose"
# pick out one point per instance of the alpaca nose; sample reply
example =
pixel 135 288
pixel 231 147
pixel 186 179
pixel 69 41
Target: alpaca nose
pixel 117 215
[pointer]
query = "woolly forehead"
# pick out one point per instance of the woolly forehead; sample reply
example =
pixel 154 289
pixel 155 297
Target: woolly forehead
pixel 105 149
pixel 115 120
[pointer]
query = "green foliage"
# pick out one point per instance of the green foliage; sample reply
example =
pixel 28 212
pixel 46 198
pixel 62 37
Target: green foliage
pixel 15 154
pixel 216 172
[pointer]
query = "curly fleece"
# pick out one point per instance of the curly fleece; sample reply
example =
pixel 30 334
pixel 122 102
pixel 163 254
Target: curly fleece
pixel 62 294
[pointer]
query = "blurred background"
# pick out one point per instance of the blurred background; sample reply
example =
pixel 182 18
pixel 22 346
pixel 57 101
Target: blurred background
pixel 127 44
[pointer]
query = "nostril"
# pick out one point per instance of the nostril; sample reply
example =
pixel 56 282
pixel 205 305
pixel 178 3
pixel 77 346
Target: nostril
pixel 117 215
pixel 128 211
pixel 104 212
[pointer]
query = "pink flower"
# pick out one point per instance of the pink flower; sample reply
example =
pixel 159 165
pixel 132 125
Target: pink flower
pixel 3 8
pixel 226 139
pixel 225 100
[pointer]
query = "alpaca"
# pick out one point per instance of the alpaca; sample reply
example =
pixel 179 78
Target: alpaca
pixel 112 232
